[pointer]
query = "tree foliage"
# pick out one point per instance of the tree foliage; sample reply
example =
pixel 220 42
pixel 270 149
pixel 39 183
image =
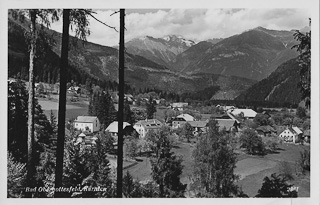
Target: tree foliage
pixel 167 168
pixel 17 124
pixel 276 186
pixel 16 174
pixel 187 131
pixel 151 108
pixel 304 48
pixel 252 142
pixel 101 105
pixel 214 164
pixel 261 119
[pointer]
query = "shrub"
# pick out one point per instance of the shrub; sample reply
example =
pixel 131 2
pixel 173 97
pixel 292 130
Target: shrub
pixel 15 178
pixel 304 161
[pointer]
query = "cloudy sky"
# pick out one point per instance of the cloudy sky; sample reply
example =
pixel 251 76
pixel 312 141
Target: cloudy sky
pixel 194 24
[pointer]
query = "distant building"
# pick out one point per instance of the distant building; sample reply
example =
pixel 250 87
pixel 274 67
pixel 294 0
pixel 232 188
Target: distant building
pixel 199 126
pixel 247 113
pixel 177 122
pixel 179 106
pixel 113 129
pixel 186 117
pixel 266 130
pixel 291 134
pixel 90 123
pixel 144 126
pixel 228 124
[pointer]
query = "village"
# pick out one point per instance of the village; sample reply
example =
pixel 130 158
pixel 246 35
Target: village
pixel 160 108
pixel 281 130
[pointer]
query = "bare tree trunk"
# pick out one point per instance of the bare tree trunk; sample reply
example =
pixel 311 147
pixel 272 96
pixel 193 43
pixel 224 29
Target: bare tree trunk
pixel 62 101
pixel 30 162
pixel 121 105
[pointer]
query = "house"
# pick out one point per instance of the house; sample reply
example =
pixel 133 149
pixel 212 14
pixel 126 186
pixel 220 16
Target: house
pixel 266 130
pixel 198 126
pixel 247 113
pixel 144 126
pixel 228 124
pixel 86 139
pixel 291 134
pixel 113 129
pixel 186 117
pixel 179 106
pixel 90 123
pixel 177 122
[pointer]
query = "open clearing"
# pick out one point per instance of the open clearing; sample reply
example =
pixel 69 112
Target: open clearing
pixel 72 110
pixel 50 105
pixel 251 166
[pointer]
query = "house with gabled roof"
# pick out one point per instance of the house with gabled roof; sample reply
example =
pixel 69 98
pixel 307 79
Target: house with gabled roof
pixel 144 126
pixel 90 123
pixel 291 134
pixel 247 113
pixel 186 117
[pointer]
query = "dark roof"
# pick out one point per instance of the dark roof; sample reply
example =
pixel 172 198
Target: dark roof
pixel 266 128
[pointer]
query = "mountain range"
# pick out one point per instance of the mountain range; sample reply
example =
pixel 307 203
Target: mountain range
pixel 171 63
pixel 253 54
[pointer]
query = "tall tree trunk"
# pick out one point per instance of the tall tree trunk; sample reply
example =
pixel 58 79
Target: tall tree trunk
pixel 30 162
pixel 120 110
pixel 62 101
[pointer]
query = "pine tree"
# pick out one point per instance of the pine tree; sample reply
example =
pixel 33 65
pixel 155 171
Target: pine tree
pixel 151 108
pixel 127 113
pixel 167 167
pixel 101 105
pixel 276 186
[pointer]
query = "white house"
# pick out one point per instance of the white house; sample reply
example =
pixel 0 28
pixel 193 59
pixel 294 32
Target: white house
pixel 144 126
pixel 247 113
pixel 90 123
pixel 186 117
pixel 291 134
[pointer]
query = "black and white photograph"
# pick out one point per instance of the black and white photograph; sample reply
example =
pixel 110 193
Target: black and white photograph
pixel 196 99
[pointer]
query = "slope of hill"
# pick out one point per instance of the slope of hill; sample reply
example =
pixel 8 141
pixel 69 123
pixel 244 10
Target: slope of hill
pixel 253 54
pixel 281 86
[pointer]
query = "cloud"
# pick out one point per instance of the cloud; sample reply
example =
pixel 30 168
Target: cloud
pixel 195 24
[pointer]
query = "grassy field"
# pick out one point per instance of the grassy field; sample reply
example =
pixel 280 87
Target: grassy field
pixel 252 169
pixel 72 109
